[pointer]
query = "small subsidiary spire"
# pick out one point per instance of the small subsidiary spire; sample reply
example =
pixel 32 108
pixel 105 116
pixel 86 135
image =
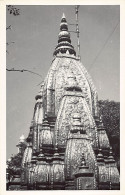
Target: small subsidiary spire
pixel 64 42
pixel 22 138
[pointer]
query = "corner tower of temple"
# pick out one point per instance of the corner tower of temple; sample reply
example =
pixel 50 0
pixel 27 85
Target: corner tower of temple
pixel 67 146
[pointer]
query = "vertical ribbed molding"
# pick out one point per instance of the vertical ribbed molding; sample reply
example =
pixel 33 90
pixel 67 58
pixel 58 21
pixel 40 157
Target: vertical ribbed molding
pixel 57 177
pixel 21 145
pixel 38 110
pixel 46 135
pixel 41 175
pixel 37 118
pixel 64 42
pixel 31 171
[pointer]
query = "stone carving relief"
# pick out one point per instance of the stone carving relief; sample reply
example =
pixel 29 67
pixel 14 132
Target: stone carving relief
pixel 58 173
pixel 73 105
pixel 103 139
pixel 102 173
pixel 57 77
pixel 42 173
pixel 73 156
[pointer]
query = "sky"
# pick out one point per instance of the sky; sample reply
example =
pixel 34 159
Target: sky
pixel 35 35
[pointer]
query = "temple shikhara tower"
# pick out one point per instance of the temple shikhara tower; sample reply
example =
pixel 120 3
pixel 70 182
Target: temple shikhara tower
pixel 67 147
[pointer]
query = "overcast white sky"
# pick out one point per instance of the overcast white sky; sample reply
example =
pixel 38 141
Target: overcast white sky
pixel 35 33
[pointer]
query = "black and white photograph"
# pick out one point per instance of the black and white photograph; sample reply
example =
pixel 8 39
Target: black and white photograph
pixel 62 97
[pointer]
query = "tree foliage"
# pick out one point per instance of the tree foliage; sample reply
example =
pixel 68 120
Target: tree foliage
pixel 13 10
pixel 14 165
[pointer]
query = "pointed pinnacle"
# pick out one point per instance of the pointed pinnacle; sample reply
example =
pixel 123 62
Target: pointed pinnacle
pixel 63 16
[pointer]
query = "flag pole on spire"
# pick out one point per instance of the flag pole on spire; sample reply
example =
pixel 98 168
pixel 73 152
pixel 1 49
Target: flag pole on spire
pixel 77 30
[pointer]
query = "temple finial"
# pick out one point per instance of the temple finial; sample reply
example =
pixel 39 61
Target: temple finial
pixel 64 42
pixel 63 16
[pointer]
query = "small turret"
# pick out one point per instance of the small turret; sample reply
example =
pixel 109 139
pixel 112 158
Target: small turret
pixel 38 109
pixel 37 120
pixel 22 144
pixel 102 136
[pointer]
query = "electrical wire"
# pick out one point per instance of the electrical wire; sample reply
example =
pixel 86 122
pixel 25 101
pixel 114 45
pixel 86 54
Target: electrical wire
pixel 98 54
pixel 24 70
